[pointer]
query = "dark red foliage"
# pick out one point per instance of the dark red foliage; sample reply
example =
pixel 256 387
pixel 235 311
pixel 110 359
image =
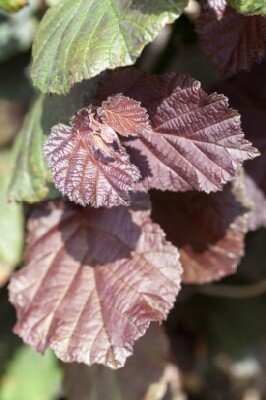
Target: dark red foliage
pixel 93 281
pixel 196 140
pixel 88 163
pixel 96 276
pixel 208 230
pixel 231 40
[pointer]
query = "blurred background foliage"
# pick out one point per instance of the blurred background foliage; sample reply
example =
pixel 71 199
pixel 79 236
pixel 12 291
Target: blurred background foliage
pixel 217 339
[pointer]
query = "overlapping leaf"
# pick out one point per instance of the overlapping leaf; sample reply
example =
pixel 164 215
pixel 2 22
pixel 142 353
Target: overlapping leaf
pixel 231 40
pixel 79 39
pixel 93 281
pixel 196 140
pixel 208 230
pixel 125 116
pixel 31 180
pixel 249 6
pixel 88 169
pixel 151 357
pixel 247 92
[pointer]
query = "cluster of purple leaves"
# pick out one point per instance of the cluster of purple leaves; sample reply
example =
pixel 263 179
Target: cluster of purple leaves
pixel 98 271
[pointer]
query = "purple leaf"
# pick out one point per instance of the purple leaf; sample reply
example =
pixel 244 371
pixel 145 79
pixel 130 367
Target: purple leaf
pixel 208 230
pixel 88 163
pixel 125 116
pixel 196 140
pixel 93 281
pixel 231 40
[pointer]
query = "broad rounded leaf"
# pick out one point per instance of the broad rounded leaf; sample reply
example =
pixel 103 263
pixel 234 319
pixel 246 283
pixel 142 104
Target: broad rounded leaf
pixel 196 140
pixel 249 6
pixel 125 116
pixel 246 91
pixel 88 169
pixel 93 281
pixel 77 39
pixel 209 231
pixel 231 40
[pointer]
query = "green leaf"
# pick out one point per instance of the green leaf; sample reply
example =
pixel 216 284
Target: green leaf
pixel 12 223
pixel 12 5
pixel 77 39
pixel 30 376
pixel 249 6
pixel 31 179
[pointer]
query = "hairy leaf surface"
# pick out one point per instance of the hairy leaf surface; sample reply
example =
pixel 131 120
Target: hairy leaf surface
pixel 151 357
pixel 231 40
pixel 77 39
pixel 31 180
pixel 247 92
pixel 208 230
pixel 249 6
pixel 125 116
pixel 196 140
pixel 93 281
pixel 86 168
